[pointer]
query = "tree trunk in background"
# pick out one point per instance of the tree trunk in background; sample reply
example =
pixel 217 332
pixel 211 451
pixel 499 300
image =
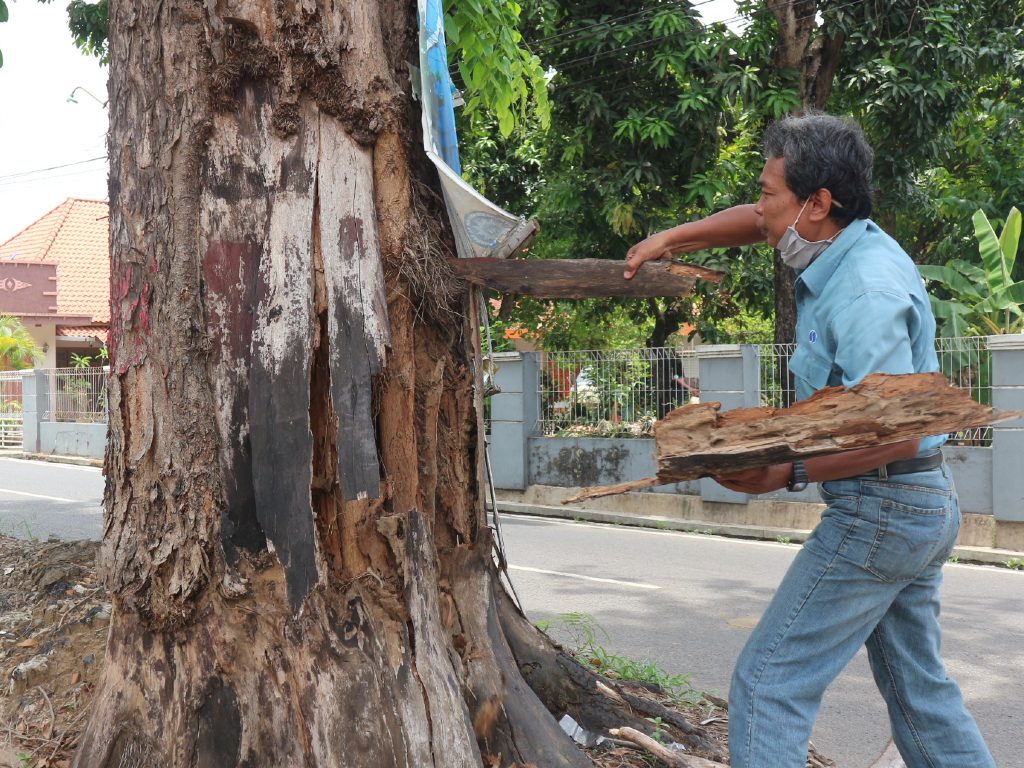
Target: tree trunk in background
pixel 295 536
pixel 785 302
pixel 803 48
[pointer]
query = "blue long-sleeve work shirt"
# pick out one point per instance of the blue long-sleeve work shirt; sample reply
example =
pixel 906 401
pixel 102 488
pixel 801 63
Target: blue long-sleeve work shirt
pixel 862 308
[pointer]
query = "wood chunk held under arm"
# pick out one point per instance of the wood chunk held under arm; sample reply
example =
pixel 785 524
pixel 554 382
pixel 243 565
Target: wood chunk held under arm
pixel 700 441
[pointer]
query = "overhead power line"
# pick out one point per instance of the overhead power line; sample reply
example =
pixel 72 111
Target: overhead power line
pixel 22 174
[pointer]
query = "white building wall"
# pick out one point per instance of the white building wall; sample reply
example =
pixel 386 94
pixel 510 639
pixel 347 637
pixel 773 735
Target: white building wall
pixel 46 338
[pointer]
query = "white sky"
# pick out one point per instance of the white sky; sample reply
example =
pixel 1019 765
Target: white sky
pixel 39 129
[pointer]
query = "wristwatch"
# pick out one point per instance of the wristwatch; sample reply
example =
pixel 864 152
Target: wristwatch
pixel 798 480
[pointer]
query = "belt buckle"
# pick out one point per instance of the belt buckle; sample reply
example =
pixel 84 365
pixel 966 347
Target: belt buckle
pixel 883 472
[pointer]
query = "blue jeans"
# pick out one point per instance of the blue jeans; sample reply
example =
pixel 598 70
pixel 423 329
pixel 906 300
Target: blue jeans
pixel 868 575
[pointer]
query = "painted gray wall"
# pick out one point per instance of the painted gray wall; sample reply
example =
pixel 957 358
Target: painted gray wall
pixel 514 414
pixel 68 438
pixel 35 395
pixel 1008 437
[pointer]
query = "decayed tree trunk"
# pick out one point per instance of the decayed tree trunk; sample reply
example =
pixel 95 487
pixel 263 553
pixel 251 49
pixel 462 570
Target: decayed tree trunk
pixel 295 537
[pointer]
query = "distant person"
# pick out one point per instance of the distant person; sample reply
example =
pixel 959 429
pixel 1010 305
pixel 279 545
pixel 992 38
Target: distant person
pixel 690 391
pixel 870 572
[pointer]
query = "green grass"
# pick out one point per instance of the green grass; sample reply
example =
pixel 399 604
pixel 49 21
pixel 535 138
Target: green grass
pixel 585 643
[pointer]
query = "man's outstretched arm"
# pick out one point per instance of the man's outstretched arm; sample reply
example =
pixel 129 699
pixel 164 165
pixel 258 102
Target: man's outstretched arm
pixel 726 229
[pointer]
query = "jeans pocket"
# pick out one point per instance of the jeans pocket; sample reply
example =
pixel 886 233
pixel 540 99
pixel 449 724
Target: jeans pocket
pixel 907 537
pixel 833 490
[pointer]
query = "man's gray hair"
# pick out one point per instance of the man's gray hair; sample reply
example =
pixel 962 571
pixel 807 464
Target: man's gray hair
pixel 825 152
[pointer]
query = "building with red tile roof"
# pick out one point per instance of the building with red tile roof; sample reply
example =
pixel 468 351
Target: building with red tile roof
pixel 55 276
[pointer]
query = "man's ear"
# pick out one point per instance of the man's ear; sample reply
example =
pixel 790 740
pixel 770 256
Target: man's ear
pixel 819 205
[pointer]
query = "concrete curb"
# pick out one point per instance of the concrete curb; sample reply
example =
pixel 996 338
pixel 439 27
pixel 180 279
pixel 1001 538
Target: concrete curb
pixel 81 461
pixel 963 554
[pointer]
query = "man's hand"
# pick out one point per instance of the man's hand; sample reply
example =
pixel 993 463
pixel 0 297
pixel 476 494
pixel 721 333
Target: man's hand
pixel 761 480
pixel 651 249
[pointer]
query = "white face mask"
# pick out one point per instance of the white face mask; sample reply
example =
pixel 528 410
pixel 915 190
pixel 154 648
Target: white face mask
pixel 796 251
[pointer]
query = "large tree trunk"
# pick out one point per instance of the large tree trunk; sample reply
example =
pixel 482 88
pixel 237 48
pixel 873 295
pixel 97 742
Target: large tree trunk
pixel 295 536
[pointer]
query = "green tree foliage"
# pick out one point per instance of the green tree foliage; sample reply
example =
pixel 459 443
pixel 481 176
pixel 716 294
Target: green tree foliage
pixel 657 119
pixel 647 128
pixel 937 88
pixel 982 299
pixel 499 73
pixel 18 350
pixel 88 25
pixel 908 69
pixel 980 166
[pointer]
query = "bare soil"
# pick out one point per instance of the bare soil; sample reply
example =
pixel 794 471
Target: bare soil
pixel 53 627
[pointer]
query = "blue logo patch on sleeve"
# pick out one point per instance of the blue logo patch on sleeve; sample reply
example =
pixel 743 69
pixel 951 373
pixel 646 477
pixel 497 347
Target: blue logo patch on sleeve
pixel 812 336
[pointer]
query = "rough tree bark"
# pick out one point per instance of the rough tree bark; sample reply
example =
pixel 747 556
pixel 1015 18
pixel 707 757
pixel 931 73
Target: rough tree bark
pixel 295 537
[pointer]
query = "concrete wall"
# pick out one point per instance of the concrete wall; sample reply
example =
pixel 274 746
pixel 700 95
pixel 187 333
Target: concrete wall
pixel 514 415
pixel 68 438
pixel 990 481
pixel 46 337
pixel 64 438
pixel 1008 437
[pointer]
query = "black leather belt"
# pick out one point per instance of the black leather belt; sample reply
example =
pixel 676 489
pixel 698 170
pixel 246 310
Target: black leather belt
pixel 910 466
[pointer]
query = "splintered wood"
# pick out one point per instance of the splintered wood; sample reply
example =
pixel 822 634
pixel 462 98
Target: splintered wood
pixel 582 278
pixel 698 441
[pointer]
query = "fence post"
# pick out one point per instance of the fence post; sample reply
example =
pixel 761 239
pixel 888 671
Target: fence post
pixel 729 374
pixel 514 414
pixel 35 400
pixel 1007 438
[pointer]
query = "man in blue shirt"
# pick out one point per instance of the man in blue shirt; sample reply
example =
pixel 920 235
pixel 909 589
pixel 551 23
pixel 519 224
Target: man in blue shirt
pixel 870 572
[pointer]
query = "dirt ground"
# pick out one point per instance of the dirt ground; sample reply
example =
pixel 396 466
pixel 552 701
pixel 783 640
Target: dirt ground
pixel 53 627
pixel 54 614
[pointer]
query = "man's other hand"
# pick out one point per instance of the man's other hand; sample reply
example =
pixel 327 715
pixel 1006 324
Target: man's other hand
pixel 651 249
pixel 754 481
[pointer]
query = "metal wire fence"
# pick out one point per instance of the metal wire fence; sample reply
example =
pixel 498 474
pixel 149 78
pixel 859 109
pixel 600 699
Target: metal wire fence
pixel 77 394
pixel 620 393
pixel 967 363
pixel 11 421
pixel 607 393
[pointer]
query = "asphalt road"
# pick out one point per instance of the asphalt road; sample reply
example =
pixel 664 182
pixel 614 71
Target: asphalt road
pixel 688 602
pixel 684 601
pixel 42 499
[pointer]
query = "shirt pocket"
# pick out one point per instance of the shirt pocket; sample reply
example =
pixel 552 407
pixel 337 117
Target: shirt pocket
pixel 812 368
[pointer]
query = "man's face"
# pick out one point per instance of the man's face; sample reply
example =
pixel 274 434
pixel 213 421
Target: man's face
pixel 777 207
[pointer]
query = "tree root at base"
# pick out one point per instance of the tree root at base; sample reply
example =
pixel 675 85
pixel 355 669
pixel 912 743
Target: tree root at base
pixel 597 703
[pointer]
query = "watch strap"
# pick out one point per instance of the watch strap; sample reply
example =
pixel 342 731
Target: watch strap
pixel 798 480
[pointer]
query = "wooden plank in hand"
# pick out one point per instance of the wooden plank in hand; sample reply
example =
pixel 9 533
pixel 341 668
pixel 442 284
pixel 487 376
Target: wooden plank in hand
pixel 582 278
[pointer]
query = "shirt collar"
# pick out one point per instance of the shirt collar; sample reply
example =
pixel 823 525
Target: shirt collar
pixel 821 269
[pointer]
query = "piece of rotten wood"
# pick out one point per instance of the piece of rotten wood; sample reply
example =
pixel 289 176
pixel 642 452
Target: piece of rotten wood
pixel 700 441
pixel 582 278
